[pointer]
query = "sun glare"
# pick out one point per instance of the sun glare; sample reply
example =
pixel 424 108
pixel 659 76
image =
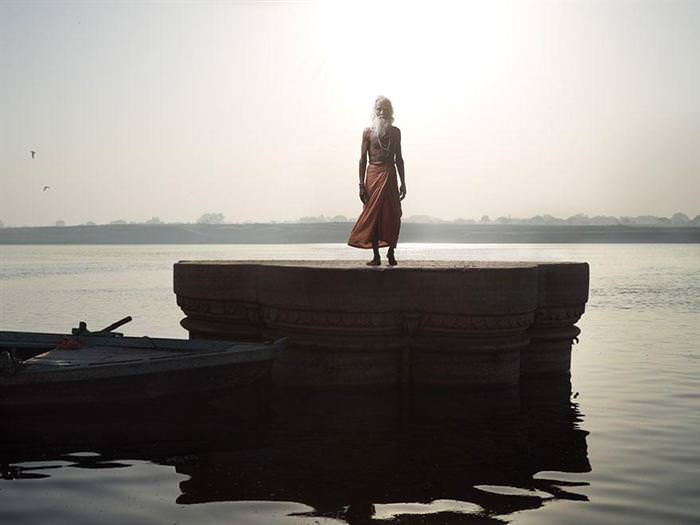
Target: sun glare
pixel 408 51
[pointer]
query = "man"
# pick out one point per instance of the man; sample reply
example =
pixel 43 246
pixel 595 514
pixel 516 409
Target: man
pixel 380 221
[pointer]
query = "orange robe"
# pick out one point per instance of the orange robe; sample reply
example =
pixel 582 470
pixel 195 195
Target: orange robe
pixel 381 216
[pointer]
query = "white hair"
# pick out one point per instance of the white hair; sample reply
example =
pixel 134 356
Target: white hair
pixel 381 125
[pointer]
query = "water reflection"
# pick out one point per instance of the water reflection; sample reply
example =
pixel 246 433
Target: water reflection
pixel 433 457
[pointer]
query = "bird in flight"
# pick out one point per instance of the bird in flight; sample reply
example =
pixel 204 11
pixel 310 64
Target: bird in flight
pixel 33 153
pixel 46 188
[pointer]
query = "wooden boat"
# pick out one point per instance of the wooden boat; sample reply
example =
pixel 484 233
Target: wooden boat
pixel 101 367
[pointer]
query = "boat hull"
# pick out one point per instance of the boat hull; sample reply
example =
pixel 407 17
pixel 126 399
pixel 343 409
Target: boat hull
pixel 94 376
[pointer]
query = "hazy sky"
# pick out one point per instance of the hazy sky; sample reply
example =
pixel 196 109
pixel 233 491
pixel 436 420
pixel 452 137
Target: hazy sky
pixel 256 110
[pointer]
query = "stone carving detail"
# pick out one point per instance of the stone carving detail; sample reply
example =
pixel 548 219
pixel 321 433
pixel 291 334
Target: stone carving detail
pixel 275 315
pixel 464 322
pixel 409 322
pixel 559 314
pixel 228 309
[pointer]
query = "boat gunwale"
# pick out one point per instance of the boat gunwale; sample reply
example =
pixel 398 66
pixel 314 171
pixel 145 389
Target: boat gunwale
pixel 35 372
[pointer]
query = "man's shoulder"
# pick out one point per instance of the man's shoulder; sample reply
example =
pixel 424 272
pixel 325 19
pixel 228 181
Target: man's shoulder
pixel 396 130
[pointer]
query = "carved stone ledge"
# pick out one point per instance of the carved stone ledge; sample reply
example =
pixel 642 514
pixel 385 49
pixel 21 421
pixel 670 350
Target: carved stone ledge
pixel 475 323
pixel 335 319
pixel 425 323
pixel 559 315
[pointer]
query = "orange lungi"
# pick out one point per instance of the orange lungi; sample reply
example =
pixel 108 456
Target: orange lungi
pixel 381 216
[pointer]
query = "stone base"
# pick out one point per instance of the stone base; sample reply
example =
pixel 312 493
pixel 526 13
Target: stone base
pixel 427 323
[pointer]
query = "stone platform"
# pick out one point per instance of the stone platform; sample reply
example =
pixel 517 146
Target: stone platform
pixel 423 323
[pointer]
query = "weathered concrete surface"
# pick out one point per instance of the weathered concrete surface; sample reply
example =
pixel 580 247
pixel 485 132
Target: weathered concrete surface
pixel 426 323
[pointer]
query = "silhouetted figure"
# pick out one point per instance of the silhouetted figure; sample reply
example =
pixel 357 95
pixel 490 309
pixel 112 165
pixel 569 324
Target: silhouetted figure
pixel 33 154
pixel 380 221
pixel 46 188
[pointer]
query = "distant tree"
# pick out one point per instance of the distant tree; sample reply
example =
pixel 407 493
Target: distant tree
pixel 578 219
pixel 60 222
pixel 313 220
pixel 680 219
pixel 154 220
pixel 90 223
pixel 646 220
pixel 211 218
pixel 339 218
pixel 550 219
pixel 485 219
pixel 425 219
pixel 503 220
pixel 604 220
pixel 696 221
pixel 2 224
pixel 118 221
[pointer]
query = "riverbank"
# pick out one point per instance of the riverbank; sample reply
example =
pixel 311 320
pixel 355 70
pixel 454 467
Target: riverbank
pixel 337 232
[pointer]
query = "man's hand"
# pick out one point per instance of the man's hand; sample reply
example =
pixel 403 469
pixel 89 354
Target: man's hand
pixel 363 194
pixel 402 191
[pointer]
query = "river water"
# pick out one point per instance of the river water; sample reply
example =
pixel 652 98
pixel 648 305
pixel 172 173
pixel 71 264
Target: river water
pixel 619 443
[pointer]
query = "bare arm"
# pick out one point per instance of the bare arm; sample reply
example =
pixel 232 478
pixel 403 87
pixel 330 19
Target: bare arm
pixel 399 165
pixel 364 149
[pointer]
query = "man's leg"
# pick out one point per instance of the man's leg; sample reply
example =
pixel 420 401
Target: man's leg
pixel 376 260
pixel 390 256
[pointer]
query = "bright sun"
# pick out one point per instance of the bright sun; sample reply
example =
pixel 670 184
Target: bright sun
pixel 410 52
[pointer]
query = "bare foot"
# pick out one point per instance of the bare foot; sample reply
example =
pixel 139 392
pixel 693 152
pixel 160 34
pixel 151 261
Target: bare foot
pixel 374 262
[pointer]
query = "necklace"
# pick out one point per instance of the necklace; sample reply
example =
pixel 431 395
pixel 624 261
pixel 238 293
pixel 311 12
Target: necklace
pixel 379 139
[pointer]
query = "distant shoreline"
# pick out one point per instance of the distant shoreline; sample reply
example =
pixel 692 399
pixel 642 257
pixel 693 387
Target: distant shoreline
pixel 337 232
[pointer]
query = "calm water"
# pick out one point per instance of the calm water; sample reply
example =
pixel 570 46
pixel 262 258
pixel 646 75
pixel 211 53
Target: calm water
pixel 619 444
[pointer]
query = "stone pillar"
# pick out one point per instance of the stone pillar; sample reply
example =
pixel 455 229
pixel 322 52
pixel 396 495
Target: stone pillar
pixel 563 292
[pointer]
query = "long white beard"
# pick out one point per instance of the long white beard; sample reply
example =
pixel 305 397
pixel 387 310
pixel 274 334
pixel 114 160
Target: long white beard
pixel 380 126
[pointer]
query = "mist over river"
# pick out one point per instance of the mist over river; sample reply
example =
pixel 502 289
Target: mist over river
pixel 619 443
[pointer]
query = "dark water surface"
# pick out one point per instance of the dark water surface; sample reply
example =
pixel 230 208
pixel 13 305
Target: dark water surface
pixel 619 443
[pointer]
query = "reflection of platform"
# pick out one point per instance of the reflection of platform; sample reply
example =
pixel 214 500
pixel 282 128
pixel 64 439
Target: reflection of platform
pixel 425 323
pixel 346 454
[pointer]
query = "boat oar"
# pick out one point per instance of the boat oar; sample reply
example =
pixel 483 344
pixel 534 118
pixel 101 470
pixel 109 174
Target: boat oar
pixel 83 329
pixel 114 325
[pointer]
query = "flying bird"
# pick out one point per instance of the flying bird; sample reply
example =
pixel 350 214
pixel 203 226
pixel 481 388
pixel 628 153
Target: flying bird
pixel 46 188
pixel 33 153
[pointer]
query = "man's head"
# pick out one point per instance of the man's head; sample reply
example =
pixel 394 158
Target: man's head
pixel 383 115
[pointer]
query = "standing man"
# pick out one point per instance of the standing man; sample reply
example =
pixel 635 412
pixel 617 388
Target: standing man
pixel 380 221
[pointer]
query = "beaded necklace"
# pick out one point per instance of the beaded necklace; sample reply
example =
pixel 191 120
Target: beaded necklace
pixel 385 149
